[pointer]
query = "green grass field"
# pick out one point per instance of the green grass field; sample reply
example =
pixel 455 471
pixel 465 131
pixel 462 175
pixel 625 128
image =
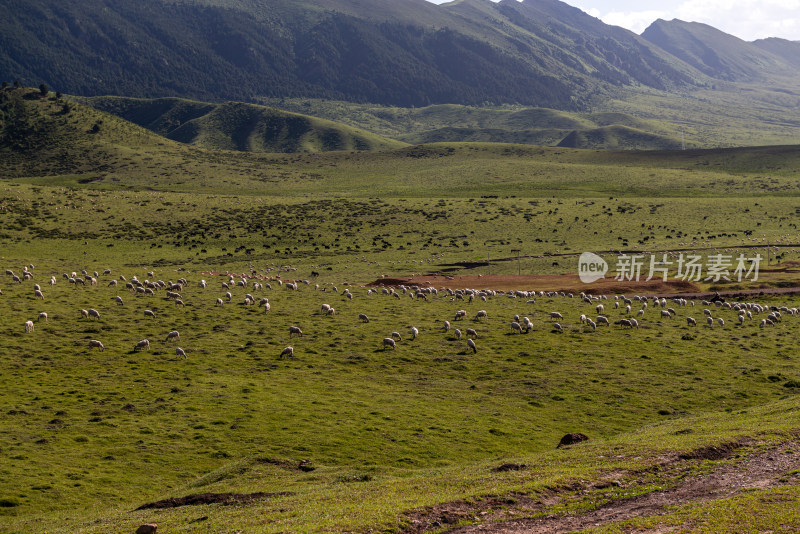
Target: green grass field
pixel 90 435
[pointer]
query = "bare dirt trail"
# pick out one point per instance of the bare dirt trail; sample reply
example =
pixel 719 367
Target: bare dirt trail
pixel 759 470
pixel 569 283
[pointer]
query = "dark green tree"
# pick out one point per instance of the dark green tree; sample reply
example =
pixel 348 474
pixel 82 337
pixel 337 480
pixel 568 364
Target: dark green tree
pixel 44 90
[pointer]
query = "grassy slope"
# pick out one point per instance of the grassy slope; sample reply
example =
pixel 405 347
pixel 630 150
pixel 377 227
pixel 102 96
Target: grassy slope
pixel 138 427
pixel 238 126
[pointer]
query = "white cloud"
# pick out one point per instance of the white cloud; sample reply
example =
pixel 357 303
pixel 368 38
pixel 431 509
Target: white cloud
pixel 746 19
pixel 636 21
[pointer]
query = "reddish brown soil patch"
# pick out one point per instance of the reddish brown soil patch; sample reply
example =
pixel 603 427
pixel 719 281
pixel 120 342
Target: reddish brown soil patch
pixel 496 515
pixel 569 283
pixel 211 498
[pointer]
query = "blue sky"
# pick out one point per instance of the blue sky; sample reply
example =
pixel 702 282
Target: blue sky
pixel 746 19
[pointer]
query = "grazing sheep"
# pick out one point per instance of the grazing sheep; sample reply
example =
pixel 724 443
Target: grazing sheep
pixel 457 333
pixel 220 302
pixel 42 315
pixel 203 284
pixel 625 322
pixel 515 326
pixel 666 313
pixel 721 321
pixel 558 327
pixel 709 321
pixel 96 344
pixel 741 319
pixel 28 326
pixel 363 317
pixel 179 302
pixel 173 335
pixel 471 332
pixel 414 332
pixel 93 313
pixel 389 342
pixel 180 352
pixel 324 309
pixel 640 313
pixel 119 300
pixel 446 326
pixel 149 313
pixel 396 335
pixel 460 314
pixel 634 323
pixel 142 345
pixel 331 311
pixel 556 315
pixel 591 324
pixel 690 321
pixel 471 344
pixel 38 294
pixel 267 307
pixel 288 352
pixel 600 308
pixel 481 315
pixel 85 313
pixel 295 330
pixel 601 319
pixel 583 318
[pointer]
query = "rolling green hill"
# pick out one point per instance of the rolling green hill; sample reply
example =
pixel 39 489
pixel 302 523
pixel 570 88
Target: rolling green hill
pixel 619 138
pixel 239 126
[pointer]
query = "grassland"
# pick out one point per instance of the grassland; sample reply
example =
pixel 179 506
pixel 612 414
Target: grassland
pixel 89 435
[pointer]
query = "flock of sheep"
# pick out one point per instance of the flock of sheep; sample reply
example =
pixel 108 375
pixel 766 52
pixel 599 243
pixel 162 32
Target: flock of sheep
pixel 626 312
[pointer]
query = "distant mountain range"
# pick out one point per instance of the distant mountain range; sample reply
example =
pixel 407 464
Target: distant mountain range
pixel 393 52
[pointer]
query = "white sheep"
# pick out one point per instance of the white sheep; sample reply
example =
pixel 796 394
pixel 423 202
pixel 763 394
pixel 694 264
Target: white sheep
pixel 363 317
pixel 634 323
pixel 600 308
pixel 220 302
pixel 173 335
pixel 149 313
pixel 28 326
pixel 556 315
pixel 558 327
pixel 471 332
pixel 460 314
pixel 591 324
pixel 38 294
pixel 118 299
pixel 85 313
pixel 481 315
pixel 721 321
pixel 295 330
pixel 142 345
pixel 601 319
pixel 690 321
pixel 414 332
pixel 446 326
pixel 96 344
pixel 267 307
pixel 515 326
pixel 287 352
pixel 396 335
pixel 389 342
pixel 179 302
pixel 710 321
pixel 42 315
pixel 471 344
pixel 180 352
pixel 457 333
pixel 93 313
